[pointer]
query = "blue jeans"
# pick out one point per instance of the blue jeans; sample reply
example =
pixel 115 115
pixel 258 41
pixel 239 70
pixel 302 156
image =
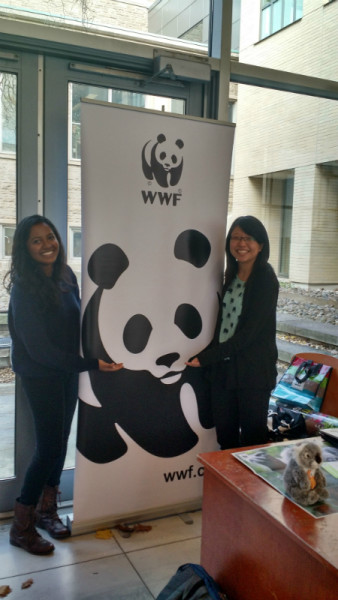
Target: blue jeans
pixel 52 401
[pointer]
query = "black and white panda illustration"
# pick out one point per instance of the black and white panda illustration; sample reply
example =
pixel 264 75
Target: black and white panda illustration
pixel 163 160
pixel 144 398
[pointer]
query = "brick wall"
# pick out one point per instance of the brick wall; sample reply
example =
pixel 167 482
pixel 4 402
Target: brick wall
pixel 176 19
pixel 279 131
pixel 108 13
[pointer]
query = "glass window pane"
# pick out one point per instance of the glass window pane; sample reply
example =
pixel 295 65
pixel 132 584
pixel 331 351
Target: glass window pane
pixel 289 12
pixel 276 16
pixel 8 113
pixel 266 22
pixel 128 98
pixel 82 91
pixel 299 9
pixel 164 17
pixel 8 103
pixel 8 233
pixel 286 226
pixel 77 244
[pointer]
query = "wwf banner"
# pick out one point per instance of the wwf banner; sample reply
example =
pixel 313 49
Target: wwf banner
pixel 154 193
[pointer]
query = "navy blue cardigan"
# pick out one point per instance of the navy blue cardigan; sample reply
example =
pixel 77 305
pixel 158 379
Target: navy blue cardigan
pixel 250 355
pixel 46 344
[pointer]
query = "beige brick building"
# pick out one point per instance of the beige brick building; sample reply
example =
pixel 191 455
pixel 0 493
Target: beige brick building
pixel 286 146
pixel 286 161
pixel 127 14
pixel 286 149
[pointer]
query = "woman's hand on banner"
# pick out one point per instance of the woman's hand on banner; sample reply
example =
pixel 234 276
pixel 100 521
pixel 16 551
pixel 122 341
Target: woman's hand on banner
pixel 194 362
pixel 108 367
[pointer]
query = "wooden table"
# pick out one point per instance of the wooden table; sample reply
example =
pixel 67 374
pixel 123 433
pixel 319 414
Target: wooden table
pixel 257 544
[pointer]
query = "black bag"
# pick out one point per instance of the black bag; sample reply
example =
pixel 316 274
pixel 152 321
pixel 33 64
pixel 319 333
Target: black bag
pixel 191 582
pixel 286 424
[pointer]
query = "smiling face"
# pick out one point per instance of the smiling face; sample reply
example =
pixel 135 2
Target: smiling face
pixel 244 248
pixel 43 246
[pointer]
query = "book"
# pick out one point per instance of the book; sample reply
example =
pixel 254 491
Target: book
pixel 330 435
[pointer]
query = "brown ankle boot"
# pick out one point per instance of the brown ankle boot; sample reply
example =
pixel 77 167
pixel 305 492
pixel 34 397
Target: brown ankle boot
pixel 23 533
pixel 46 514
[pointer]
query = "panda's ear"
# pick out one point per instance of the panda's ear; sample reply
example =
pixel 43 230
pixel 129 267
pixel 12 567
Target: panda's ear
pixel 179 143
pixel 161 138
pixel 193 247
pixel 106 264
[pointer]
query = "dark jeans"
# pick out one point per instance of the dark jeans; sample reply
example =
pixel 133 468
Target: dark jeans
pixel 52 401
pixel 240 415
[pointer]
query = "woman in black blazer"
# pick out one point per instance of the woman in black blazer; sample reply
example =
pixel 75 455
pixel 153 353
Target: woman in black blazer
pixel 243 355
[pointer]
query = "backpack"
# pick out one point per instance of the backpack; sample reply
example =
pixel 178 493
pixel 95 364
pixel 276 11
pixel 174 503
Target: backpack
pixel 191 582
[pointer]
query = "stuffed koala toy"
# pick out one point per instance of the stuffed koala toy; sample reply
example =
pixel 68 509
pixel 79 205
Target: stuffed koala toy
pixel 303 478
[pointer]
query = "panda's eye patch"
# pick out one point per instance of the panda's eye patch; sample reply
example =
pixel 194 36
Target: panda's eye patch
pixel 136 333
pixel 193 247
pixel 163 155
pixel 174 159
pixel 188 319
pixel 106 264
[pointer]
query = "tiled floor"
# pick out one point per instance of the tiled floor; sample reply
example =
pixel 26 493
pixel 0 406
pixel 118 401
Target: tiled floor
pixel 87 568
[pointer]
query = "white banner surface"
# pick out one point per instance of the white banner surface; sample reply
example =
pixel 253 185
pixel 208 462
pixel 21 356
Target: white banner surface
pixel 154 192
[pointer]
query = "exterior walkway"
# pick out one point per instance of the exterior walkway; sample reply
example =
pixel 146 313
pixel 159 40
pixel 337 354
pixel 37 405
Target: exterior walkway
pixel 313 330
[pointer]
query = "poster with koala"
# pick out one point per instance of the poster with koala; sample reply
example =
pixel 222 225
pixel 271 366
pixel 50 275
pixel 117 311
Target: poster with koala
pixel 304 470
pixel 154 205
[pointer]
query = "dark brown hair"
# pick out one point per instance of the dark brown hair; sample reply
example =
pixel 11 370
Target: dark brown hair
pixel 26 271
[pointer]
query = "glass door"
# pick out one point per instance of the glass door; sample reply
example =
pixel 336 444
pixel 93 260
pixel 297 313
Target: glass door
pixel 18 198
pixel 77 91
pixel 40 163
pixel 64 87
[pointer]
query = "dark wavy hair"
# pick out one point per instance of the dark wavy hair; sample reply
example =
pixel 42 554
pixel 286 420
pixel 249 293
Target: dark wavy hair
pixel 25 270
pixel 255 228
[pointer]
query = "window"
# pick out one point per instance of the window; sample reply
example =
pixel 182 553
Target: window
pixel 7 113
pixel 286 227
pixel 76 93
pixel 277 14
pixel 7 234
pixel 75 242
pixel 117 96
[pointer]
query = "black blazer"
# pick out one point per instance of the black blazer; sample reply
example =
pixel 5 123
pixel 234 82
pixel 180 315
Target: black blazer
pixel 249 357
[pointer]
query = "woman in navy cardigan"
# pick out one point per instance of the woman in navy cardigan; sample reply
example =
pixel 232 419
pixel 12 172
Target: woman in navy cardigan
pixel 243 355
pixel 44 324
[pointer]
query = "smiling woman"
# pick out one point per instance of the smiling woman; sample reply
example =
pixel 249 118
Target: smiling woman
pixel 242 359
pixel 44 324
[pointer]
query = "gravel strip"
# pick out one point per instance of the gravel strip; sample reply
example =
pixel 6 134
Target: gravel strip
pixel 315 304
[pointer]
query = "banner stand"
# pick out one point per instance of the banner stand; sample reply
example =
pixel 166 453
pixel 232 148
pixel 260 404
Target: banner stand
pixel 154 205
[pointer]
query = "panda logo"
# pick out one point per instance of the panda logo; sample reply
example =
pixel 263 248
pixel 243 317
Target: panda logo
pixel 163 161
pixel 144 398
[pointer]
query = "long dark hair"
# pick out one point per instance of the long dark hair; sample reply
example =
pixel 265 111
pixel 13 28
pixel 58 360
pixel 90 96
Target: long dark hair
pixel 255 228
pixel 25 270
